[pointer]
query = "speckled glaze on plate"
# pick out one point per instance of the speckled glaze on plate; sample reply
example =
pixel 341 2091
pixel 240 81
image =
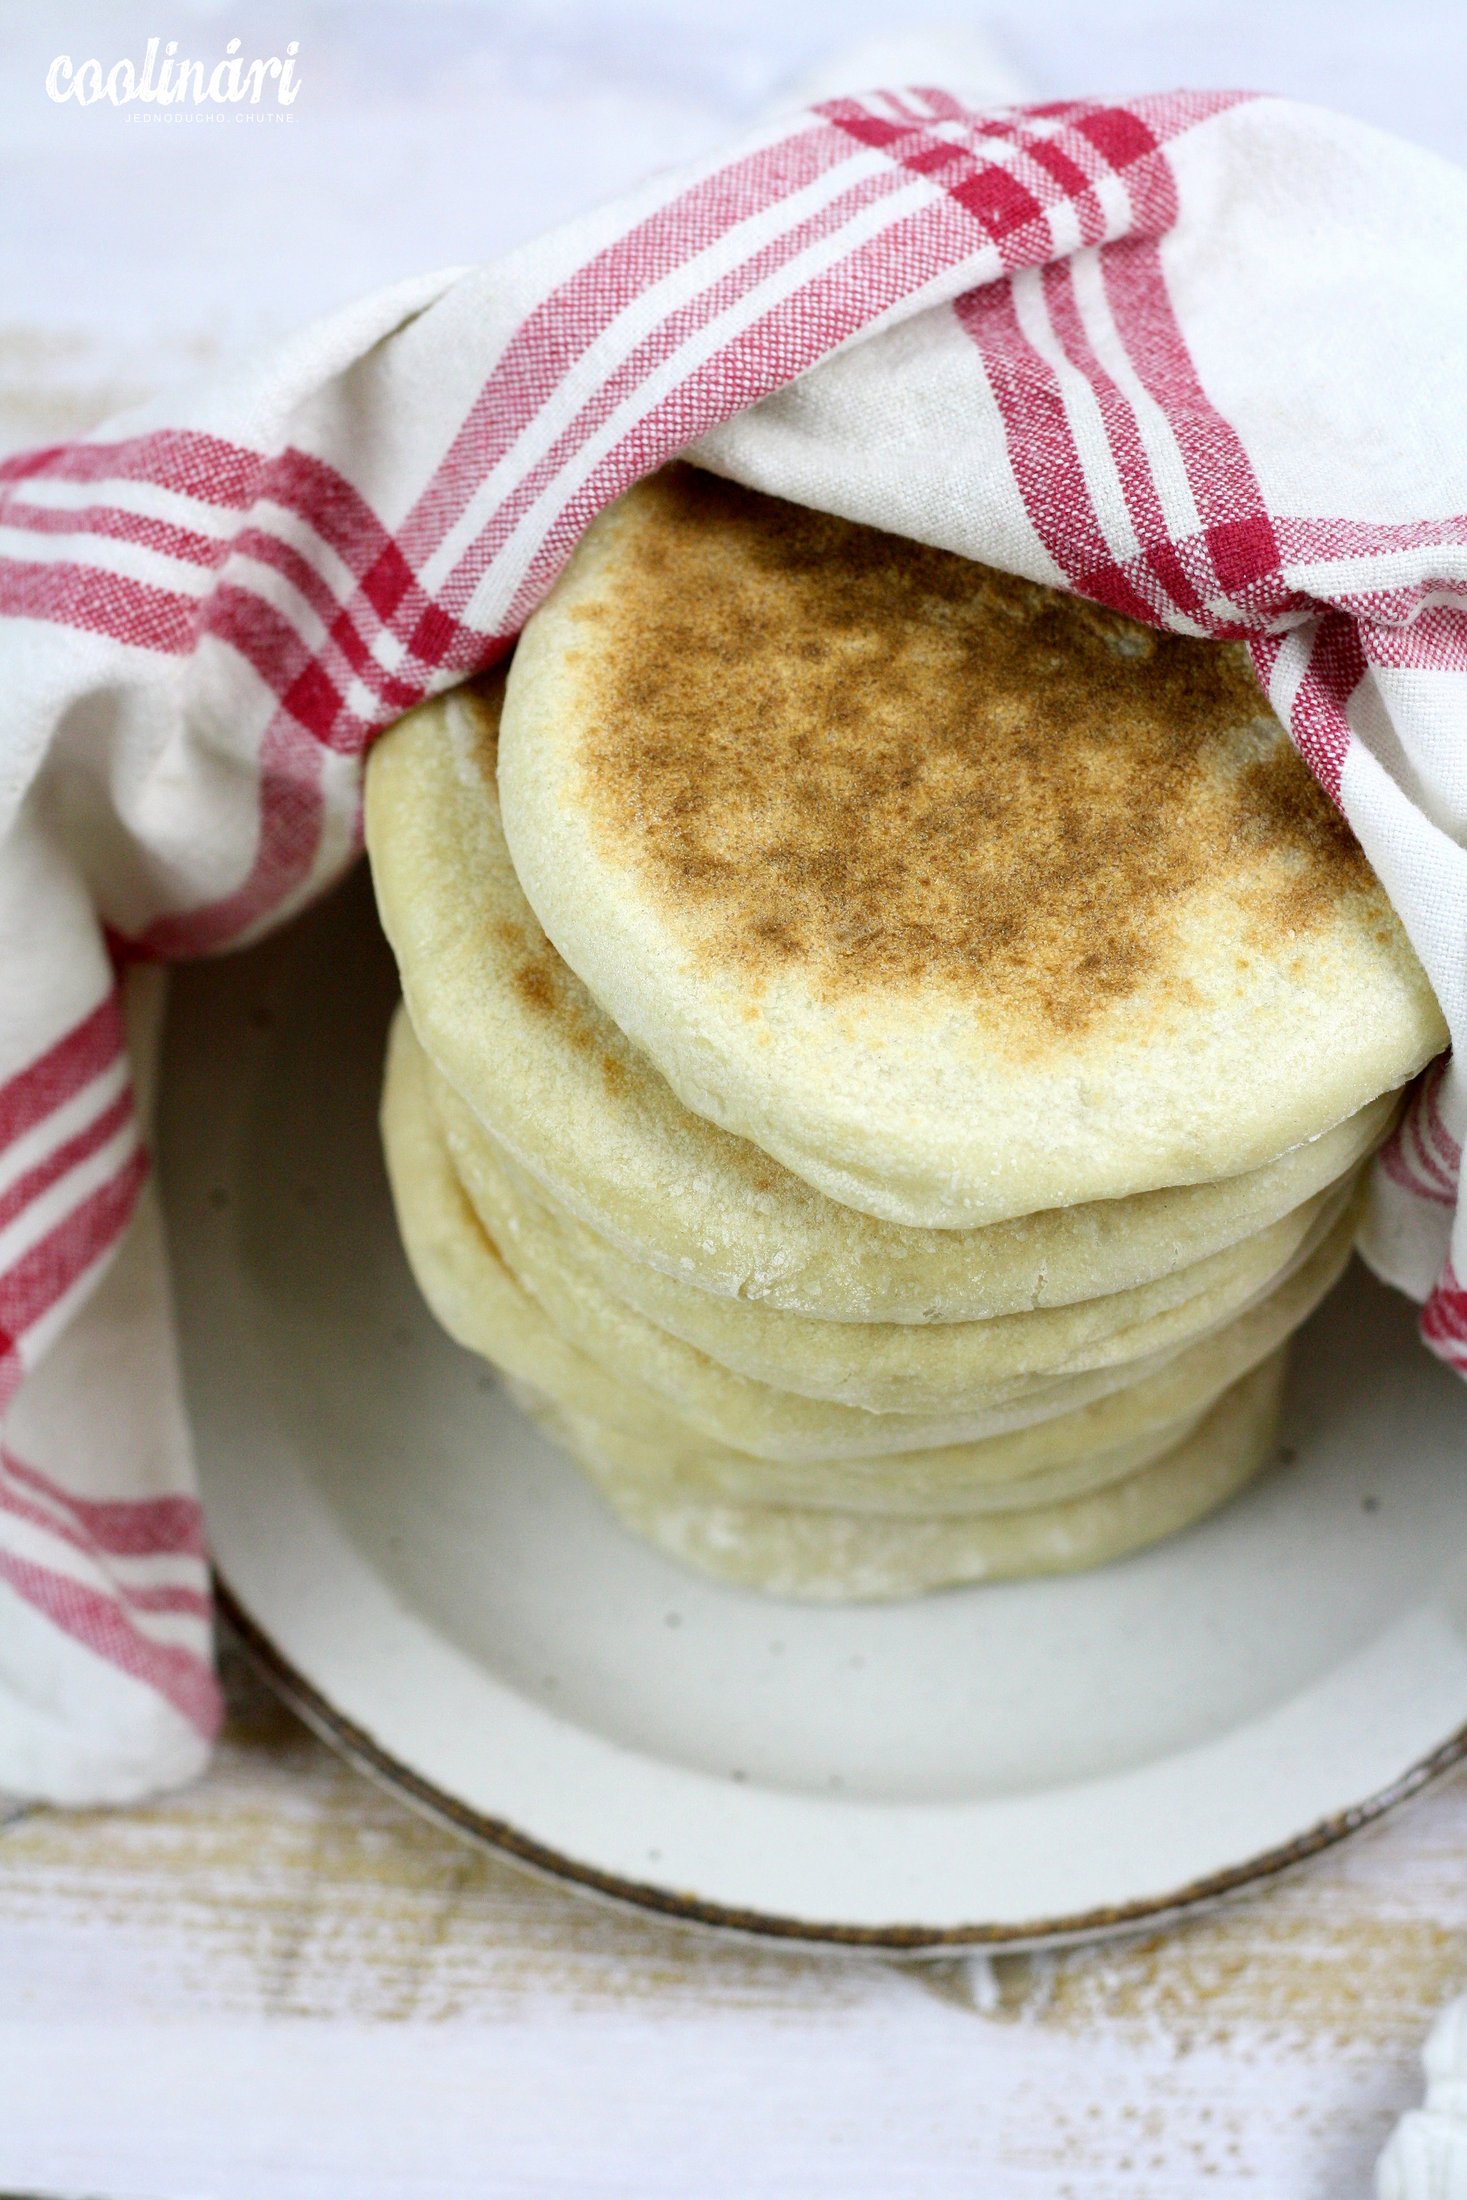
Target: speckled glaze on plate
pixel 444 1598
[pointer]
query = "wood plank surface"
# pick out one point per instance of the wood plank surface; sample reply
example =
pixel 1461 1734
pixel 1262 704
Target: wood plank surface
pixel 1264 2049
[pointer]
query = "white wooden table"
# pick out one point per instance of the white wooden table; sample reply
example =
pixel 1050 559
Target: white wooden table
pixel 283 1982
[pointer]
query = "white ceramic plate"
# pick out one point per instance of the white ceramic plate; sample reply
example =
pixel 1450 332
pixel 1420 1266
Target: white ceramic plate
pixel 439 1591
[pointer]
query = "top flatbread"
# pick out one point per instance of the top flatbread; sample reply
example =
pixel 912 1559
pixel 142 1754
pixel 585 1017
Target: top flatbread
pixel 584 1112
pixel 959 896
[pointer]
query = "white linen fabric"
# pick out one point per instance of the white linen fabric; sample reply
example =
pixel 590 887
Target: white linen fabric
pixel 1196 356
pixel 1425 2157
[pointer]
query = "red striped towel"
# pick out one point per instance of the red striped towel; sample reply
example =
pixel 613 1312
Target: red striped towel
pixel 1198 356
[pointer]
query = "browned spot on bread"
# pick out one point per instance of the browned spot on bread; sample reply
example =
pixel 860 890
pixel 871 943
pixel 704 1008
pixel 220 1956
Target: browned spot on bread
pixel 827 747
pixel 548 989
pixel 1312 847
pixel 536 987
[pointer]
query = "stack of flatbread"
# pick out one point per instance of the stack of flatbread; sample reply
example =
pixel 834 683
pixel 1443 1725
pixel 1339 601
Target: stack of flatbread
pixel 889 1049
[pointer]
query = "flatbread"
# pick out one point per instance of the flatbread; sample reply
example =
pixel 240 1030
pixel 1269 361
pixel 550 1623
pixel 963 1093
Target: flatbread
pixel 479 1302
pixel 960 896
pixel 885 1367
pixel 678 1463
pixel 755 1415
pixel 849 1557
pixel 584 1113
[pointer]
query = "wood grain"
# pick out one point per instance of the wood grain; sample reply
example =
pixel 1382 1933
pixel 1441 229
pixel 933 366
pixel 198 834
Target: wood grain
pixel 1266 2048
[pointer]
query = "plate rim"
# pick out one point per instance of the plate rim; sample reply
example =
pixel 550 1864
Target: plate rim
pixel 772 1929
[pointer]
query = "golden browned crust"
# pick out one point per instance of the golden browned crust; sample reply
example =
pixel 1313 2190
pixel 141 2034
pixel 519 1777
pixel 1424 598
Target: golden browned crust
pixel 825 746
